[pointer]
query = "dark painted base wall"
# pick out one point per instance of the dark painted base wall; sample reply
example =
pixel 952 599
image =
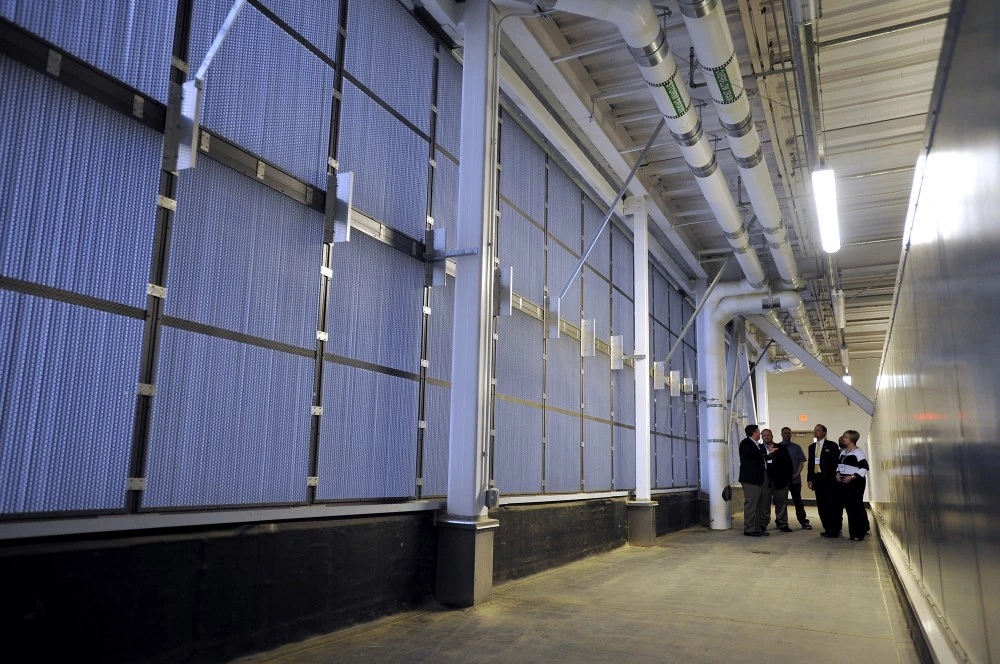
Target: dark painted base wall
pixel 211 595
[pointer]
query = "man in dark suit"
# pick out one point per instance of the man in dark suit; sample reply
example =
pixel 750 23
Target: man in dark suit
pixel 753 477
pixel 824 455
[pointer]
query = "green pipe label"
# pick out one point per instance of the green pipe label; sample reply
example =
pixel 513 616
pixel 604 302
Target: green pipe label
pixel 725 86
pixel 669 87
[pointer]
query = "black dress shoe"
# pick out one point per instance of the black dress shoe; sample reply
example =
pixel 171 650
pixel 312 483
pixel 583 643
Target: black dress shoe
pixel 826 534
pixel 785 529
pixel 764 533
pixel 752 534
pixel 806 526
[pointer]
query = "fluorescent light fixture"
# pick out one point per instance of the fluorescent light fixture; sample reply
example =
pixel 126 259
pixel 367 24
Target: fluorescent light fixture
pixel 825 193
pixel 847 378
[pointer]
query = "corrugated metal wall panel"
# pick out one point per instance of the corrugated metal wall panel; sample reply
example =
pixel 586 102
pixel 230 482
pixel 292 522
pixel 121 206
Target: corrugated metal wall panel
pixel 519 364
pixel 522 177
pixel 316 20
pixel 368 441
pixel 596 456
pixel 441 330
pixel 230 424
pixel 390 54
pixel 130 40
pixel 265 91
pixel 624 440
pixel 522 245
pixel 446 197
pixel 562 385
pixel 560 267
pixel 389 163
pixel 67 406
pixel 600 257
pixel 376 304
pixel 562 453
pixel 437 411
pixel 517 455
pixel 78 210
pixel 449 103
pixel 623 274
pixel 597 386
pixel 565 212
pixel 244 257
pixel 597 302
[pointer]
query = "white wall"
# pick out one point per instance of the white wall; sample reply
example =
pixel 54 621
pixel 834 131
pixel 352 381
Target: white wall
pixel 820 403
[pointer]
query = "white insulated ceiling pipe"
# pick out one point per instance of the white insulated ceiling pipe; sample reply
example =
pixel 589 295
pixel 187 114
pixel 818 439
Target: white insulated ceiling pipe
pixel 713 44
pixel 647 42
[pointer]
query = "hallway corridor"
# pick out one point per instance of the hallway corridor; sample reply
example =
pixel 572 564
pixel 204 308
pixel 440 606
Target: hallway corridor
pixel 697 596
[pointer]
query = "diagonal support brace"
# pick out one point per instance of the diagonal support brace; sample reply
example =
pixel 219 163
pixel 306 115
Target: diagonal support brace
pixel 835 381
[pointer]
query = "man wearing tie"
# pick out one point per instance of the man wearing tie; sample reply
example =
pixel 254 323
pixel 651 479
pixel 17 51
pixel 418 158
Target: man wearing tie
pixel 753 478
pixel 824 455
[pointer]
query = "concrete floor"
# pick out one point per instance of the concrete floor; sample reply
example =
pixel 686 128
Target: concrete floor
pixel 697 596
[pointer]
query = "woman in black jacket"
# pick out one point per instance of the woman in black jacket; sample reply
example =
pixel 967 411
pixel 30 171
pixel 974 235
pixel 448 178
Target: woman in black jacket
pixel 852 474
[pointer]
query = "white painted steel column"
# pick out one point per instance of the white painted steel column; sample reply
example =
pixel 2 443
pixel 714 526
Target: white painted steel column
pixel 637 208
pixel 760 376
pixel 472 345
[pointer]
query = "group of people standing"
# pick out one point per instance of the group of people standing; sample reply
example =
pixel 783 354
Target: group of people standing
pixel 837 473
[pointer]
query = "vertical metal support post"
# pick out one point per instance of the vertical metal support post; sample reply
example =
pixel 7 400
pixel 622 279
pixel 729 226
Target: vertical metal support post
pixel 326 271
pixel 465 534
pixel 474 273
pixel 641 289
pixel 158 270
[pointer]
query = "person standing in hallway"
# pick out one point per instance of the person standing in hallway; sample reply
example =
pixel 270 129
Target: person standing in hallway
pixel 852 476
pixel 779 475
pixel 824 455
pixel 753 478
pixel 795 485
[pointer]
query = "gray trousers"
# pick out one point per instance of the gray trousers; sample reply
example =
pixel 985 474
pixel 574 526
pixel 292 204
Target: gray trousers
pixel 754 501
pixel 779 497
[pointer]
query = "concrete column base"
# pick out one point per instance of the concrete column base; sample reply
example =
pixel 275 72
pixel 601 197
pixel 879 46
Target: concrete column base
pixel 465 560
pixel 641 523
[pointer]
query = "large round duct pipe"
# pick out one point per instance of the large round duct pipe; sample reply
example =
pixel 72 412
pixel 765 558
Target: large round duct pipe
pixel 726 302
pixel 647 42
pixel 713 43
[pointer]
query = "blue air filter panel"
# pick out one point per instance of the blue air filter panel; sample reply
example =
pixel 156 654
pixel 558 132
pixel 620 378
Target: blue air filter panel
pixel 663 398
pixel 368 440
pixel 437 411
pixel 230 426
pixel 623 320
pixel 562 453
pixel 519 357
pixel 244 257
pixel 393 56
pixel 522 176
pixel 445 209
pixel 449 102
pixel 67 407
pixel 624 440
pixel 596 456
pixel 316 20
pixel 625 395
pixel 677 319
pixel 600 257
pixel 441 330
pixel 560 267
pixel 517 454
pixel 624 264
pixel 664 464
pixel 562 381
pixel 389 162
pixel 565 211
pixel 597 386
pixel 130 40
pixel 79 209
pixel 680 462
pixel 597 302
pixel 522 245
pixel 692 463
pixel 375 311
pixel 661 293
pixel 265 91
